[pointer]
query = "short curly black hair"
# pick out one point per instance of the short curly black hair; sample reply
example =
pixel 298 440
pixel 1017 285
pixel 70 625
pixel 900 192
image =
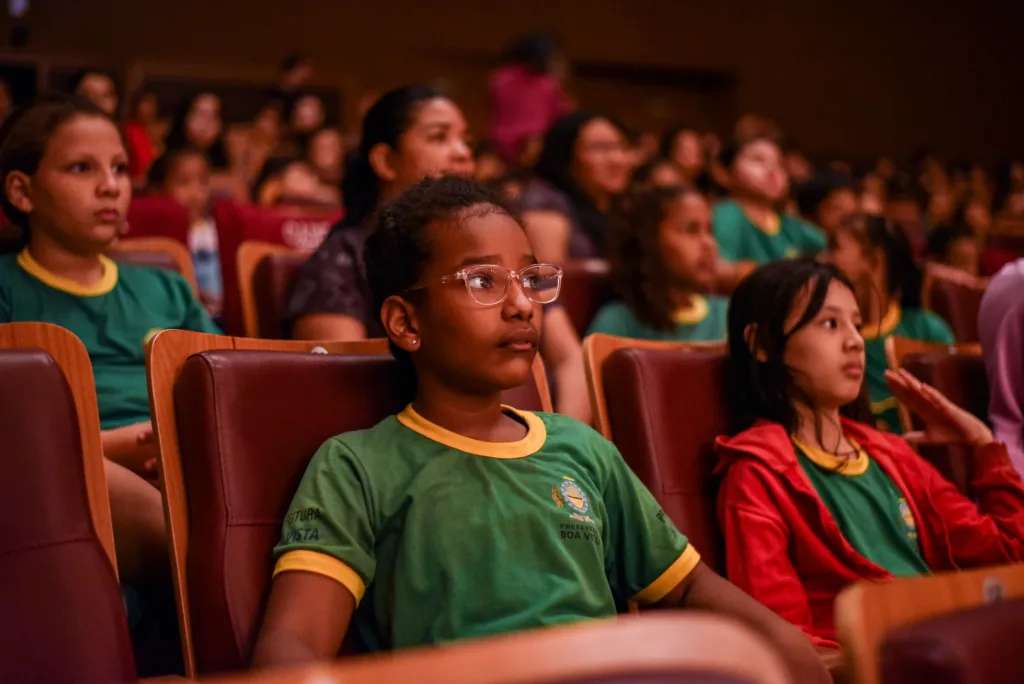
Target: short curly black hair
pixel 398 247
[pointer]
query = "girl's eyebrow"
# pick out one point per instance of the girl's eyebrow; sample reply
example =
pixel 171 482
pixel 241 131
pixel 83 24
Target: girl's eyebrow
pixel 487 260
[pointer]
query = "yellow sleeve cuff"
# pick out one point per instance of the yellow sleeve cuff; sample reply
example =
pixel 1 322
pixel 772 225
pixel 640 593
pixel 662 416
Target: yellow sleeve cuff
pixel 670 579
pixel 322 564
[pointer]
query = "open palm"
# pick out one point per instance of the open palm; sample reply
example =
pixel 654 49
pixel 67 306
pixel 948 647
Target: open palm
pixel 945 422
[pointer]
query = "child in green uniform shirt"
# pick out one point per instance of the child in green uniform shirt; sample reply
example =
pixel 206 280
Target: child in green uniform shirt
pixel 461 517
pixel 813 498
pixel 876 256
pixel 663 257
pixel 63 166
pixel 748 226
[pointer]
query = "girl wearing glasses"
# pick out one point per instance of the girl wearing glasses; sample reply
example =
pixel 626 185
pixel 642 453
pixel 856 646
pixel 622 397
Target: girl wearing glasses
pixel 460 517
pixel 410 133
pixel 664 258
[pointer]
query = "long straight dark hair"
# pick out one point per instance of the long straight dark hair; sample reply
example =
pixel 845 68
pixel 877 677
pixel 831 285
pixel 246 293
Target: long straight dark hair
pixel 765 389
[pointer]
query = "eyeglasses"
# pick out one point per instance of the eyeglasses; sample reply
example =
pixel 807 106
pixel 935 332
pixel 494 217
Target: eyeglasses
pixel 489 285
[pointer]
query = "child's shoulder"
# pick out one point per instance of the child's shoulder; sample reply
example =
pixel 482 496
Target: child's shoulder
pixel 564 432
pixel 926 325
pixel 136 276
pixel 726 209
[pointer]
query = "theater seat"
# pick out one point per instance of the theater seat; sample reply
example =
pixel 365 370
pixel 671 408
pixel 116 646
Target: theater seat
pixel 958 372
pixel 666 410
pixel 868 612
pixel 265 276
pixel 157 216
pixel 677 648
pixel 300 229
pixel 63 614
pixel 156 252
pixel 956 297
pixel 586 287
pixel 237 420
pixel 975 646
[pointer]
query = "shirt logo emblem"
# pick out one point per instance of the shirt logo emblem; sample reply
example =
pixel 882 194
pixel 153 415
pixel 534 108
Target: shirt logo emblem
pixel 569 494
pixel 908 519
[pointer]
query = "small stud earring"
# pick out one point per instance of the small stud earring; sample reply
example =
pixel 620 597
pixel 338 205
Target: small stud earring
pixel 414 341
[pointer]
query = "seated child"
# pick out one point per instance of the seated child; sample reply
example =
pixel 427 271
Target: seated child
pixel 813 499
pixel 663 257
pixel 827 199
pixel 748 226
pixel 460 517
pixel 956 246
pixel 184 175
pixel 66 186
pixel 874 254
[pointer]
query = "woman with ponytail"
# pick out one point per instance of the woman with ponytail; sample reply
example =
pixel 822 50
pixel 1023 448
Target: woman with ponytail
pixel 876 256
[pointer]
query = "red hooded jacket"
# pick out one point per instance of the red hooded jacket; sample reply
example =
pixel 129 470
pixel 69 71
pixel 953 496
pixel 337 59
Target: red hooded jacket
pixel 784 548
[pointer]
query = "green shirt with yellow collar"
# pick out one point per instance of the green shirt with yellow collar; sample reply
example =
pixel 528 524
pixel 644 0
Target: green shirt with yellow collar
pixel 114 319
pixel 441 537
pixel 869 509
pixel 915 324
pixel 704 321
pixel 739 239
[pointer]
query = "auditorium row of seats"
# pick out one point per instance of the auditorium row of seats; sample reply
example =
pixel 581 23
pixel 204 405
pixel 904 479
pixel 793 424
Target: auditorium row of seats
pixel 237 419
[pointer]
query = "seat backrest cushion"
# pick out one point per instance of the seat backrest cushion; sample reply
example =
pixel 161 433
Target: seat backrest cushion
pixel 665 409
pixel 272 284
pixel 958 305
pixel 585 289
pixel 61 604
pixel 248 423
pixel 975 646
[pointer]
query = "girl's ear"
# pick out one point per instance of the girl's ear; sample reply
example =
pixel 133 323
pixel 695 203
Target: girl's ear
pixel 18 187
pixel 398 316
pixel 750 337
pixel 382 163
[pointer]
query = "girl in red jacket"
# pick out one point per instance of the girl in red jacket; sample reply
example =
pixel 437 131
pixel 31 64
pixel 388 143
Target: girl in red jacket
pixel 813 498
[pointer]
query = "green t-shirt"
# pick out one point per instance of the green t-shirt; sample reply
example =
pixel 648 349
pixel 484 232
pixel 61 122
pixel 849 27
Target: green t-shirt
pixel 916 324
pixel 114 319
pixel 869 508
pixel 740 240
pixel 441 537
pixel 704 321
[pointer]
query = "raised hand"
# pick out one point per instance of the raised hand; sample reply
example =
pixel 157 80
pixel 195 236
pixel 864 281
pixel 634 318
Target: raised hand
pixel 945 422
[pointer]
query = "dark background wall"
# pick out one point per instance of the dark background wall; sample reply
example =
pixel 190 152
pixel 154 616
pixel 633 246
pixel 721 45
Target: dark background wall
pixel 884 77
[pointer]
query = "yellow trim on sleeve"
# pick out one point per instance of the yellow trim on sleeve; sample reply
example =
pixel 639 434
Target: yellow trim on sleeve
pixel 102 286
pixel 693 314
pixel 322 564
pixel 889 321
pixel 670 579
pixel 536 434
pixel 843 466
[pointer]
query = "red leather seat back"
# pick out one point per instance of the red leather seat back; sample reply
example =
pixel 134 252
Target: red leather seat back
pixel 974 646
pixel 249 421
pixel 586 287
pixel 157 216
pixel 958 305
pixel 64 618
pixel 154 259
pixel 665 411
pixel 272 284
pixel 961 377
pixel 238 223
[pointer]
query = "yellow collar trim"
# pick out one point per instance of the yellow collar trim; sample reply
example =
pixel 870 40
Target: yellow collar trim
pixel 102 286
pixel 772 225
pixel 536 434
pixel 693 314
pixel 843 466
pixel 885 326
